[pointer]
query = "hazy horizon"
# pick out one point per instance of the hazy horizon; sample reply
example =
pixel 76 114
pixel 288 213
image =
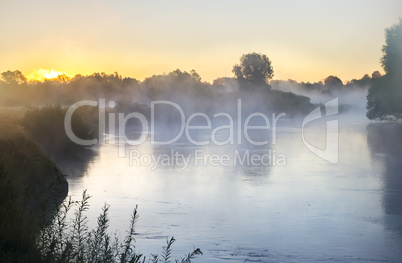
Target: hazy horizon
pixel 305 41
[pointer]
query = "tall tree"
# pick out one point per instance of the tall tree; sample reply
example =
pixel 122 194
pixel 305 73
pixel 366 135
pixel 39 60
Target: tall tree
pixel 254 71
pixel 384 99
pixel 392 58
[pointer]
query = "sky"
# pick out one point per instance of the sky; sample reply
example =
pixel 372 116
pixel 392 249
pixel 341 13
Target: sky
pixel 305 40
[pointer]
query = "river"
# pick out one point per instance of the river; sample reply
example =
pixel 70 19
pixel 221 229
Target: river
pixel 297 208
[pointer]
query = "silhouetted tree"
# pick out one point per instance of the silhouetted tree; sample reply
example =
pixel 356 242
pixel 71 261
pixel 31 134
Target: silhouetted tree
pixel 13 88
pixel 195 75
pixel 384 98
pixel 376 74
pixel 392 58
pixel 333 81
pixel 254 71
pixel 13 77
pixel 175 85
pixel 365 82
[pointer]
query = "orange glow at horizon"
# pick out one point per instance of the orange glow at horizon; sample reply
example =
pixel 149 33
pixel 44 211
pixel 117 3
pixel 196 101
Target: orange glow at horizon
pixel 45 74
pixel 306 42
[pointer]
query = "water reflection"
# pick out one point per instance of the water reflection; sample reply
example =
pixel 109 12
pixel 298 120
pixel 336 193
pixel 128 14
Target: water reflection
pixel 75 163
pixel 308 210
pixel 385 142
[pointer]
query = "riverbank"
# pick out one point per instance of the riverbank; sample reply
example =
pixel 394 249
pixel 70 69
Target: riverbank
pixel 30 185
pixel 33 190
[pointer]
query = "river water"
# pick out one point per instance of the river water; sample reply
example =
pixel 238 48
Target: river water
pixel 297 208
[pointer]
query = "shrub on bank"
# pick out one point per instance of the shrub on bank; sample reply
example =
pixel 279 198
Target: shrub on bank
pixel 46 126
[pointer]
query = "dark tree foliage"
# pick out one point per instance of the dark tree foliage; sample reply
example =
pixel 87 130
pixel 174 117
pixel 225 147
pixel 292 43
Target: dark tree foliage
pixel 384 99
pixel 333 81
pixel 13 77
pixel 254 71
pixel 375 74
pixel 392 58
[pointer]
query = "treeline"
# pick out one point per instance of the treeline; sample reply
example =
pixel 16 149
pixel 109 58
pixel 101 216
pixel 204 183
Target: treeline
pixel 184 88
pixel 18 91
pixel 329 86
pixel 252 82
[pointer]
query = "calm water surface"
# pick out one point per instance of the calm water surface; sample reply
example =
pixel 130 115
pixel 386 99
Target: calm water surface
pixel 306 210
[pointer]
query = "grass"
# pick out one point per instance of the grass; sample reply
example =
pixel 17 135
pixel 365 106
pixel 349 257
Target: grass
pixel 63 241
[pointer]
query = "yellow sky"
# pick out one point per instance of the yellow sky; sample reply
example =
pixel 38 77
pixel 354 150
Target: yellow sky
pixel 305 40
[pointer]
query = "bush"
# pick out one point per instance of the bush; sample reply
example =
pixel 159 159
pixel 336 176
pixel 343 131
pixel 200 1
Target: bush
pixel 46 125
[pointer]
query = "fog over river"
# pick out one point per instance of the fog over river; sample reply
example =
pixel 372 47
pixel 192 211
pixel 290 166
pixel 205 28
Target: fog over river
pixel 276 202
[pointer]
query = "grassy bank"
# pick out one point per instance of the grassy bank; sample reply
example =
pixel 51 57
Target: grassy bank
pixel 72 241
pixel 30 183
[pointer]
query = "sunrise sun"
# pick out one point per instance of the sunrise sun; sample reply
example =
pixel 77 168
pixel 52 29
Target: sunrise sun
pixel 45 74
